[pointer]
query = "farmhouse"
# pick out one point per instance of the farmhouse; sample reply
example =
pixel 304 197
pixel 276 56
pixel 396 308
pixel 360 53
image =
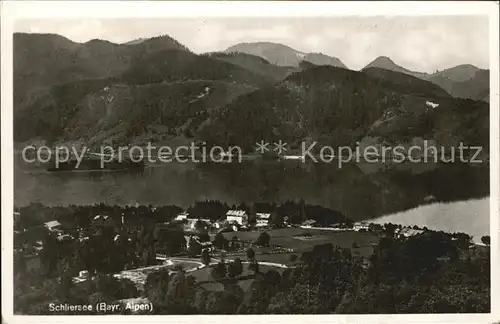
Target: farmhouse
pixel 262 219
pixel 238 216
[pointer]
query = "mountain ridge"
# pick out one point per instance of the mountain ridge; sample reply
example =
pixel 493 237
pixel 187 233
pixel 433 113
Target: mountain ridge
pixel 461 81
pixel 283 55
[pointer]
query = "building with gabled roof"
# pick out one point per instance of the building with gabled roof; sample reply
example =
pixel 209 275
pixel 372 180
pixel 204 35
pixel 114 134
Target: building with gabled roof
pixel 262 219
pixel 238 216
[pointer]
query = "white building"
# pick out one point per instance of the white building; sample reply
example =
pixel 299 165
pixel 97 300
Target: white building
pixel 84 274
pixel 53 226
pixel 238 216
pixel 262 219
pixel 182 216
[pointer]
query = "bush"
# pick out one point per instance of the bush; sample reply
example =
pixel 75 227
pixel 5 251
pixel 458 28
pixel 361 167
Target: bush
pixel 264 239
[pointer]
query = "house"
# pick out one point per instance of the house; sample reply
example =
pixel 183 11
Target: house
pixel 238 216
pixel 84 274
pixel 38 246
pixel 407 232
pixel 65 237
pixel 182 216
pixel 104 220
pixel 308 223
pixel 192 222
pixel 53 226
pixel 361 226
pixel 262 219
pixel 204 245
pixel 431 104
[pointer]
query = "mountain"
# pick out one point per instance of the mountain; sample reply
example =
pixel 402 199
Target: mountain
pixel 103 92
pixel 475 87
pixel 283 55
pixel 255 64
pixel 406 81
pixel 462 81
pixel 383 62
pixel 322 59
pixel 459 73
pixel 335 106
pixel 48 103
pixel 115 113
pixel 43 60
pixel 175 65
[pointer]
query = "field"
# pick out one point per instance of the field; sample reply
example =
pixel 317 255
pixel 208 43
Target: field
pixel 301 240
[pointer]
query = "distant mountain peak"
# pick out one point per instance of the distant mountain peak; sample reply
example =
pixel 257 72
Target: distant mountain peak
pixel 384 62
pixel 283 55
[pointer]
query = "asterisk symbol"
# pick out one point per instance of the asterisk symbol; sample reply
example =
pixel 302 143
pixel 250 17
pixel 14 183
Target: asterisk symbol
pixel 280 147
pixel 262 147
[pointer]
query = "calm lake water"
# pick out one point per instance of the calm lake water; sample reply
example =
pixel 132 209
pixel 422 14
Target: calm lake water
pixel 359 191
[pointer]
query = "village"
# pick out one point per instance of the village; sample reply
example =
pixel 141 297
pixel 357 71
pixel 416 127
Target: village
pixel 193 245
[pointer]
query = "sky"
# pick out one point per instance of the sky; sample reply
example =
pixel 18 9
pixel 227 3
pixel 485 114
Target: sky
pixel 425 43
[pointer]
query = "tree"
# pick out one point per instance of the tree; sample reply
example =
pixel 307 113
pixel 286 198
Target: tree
pixel 194 247
pixel 219 271
pixel 199 225
pixel 276 220
pixel 205 257
pixel 250 254
pixel 156 287
pixel 235 268
pixel 263 239
pixel 486 240
pixel 389 229
pixel 254 266
pixel 220 241
pixel 235 243
pixel 181 293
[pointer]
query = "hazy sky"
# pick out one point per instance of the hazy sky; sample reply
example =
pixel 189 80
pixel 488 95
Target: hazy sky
pixel 418 43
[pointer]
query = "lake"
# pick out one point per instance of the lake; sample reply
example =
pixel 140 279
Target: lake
pixel 359 191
